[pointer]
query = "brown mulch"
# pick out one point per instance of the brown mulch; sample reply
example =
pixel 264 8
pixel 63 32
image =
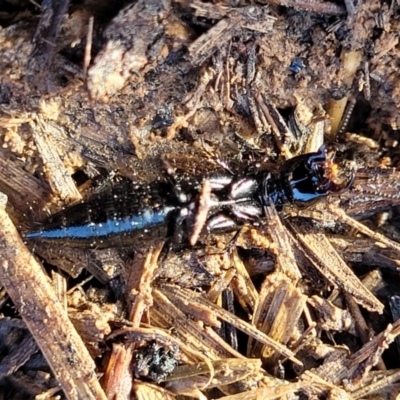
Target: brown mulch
pixel 305 305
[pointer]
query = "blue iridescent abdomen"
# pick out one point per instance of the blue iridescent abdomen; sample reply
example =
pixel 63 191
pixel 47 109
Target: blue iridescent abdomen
pixel 124 213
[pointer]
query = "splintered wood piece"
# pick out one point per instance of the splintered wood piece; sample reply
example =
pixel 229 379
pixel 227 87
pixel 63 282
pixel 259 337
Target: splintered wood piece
pixel 367 251
pixel 102 264
pixel 327 261
pixel 23 351
pixel 117 379
pixel 223 281
pixel 68 259
pixel 283 249
pixel 331 317
pixel 187 297
pixel 243 286
pixel 361 326
pixel 60 287
pixel 319 385
pixel 139 283
pixel 373 189
pixel 384 384
pixel 343 367
pixel 277 390
pixel 23 185
pixel 46 36
pixel 119 376
pixel 346 245
pixel 164 313
pixel 228 371
pixel 59 179
pixel 146 391
pixel 92 324
pixel 344 218
pixel 277 312
pixel 269 113
pixel 254 18
pixel 259 118
pixel 208 43
pixel 33 296
pixel 319 7
pixel 281 320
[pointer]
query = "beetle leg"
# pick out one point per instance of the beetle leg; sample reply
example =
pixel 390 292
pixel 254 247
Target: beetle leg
pixel 221 222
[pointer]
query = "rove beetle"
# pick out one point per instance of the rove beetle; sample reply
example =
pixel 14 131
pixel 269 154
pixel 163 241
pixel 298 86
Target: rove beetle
pixel 132 213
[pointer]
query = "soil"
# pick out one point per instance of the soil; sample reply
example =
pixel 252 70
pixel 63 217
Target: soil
pixel 305 304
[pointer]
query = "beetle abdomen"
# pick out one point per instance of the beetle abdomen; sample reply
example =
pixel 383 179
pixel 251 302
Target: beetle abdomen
pixel 124 213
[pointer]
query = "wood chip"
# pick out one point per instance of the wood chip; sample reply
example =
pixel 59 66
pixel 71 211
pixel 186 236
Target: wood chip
pixel 335 270
pixel 30 290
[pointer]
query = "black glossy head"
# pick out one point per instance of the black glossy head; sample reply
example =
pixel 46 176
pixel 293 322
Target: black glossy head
pixel 308 177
